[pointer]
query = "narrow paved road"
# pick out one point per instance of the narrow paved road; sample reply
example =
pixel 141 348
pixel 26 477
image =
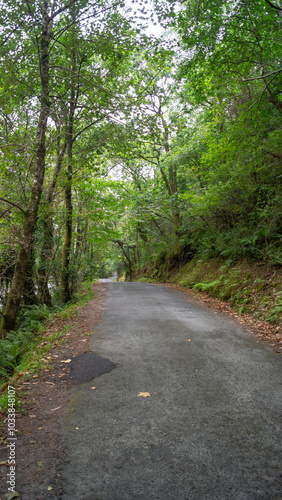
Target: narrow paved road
pixel 211 427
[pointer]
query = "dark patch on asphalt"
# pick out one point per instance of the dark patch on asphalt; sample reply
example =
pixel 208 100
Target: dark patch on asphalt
pixel 87 366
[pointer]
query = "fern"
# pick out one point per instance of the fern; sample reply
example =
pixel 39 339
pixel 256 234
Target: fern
pixel 17 342
pixel 206 286
pixel 34 314
pixel 10 356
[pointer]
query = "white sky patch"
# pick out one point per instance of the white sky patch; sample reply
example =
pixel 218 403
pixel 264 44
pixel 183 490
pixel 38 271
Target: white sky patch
pixel 153 27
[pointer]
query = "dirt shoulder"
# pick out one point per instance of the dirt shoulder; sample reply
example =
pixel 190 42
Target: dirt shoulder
pixel 39 451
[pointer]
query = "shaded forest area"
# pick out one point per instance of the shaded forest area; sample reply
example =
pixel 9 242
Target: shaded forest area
pixel 125 150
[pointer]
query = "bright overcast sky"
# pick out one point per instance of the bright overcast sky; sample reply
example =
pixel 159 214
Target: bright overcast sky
pixel 152 29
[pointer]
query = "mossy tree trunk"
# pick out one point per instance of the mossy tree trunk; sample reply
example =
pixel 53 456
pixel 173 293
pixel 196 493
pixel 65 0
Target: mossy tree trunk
pixel 47 244
pixel 29 293
pixel 66 252
pixel 129 261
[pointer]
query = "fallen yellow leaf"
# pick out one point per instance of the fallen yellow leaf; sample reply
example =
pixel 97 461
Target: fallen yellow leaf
pixel 66 361
pixel 93 387
pixel 188 340
pixel 144 394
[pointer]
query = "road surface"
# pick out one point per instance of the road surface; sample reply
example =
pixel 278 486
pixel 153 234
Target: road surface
pixel 211 426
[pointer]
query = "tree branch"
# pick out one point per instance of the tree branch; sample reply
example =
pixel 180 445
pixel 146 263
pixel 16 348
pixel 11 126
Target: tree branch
pixel 14 205
pixel 11 33
pixel 89 126
pixel 147 159
pixel 62 9
pixel 271 95
pixel 262 77
pixel 5 212
pixel 273 6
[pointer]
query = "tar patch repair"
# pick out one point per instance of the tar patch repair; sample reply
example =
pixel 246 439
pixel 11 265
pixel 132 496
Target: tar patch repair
pixel 87 366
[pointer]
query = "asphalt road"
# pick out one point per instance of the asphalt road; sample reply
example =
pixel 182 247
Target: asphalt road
pixel 211 427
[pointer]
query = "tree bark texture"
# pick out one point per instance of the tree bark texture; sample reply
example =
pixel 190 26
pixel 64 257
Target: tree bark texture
pixel 29 296
pixel 47 245
pixel 66 252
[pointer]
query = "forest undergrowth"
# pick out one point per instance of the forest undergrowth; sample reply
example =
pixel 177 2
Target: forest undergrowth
pixel 23 351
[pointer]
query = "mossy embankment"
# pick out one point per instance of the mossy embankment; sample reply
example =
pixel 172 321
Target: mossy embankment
pixel 253 288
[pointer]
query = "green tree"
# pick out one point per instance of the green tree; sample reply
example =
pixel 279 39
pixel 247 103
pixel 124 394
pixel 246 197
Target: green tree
pixel 40 26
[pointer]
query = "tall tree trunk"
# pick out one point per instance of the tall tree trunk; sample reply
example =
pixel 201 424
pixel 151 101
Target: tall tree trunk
pixel 66 252
pixel 128 261
pixel 29 294
pixel 13 303
pixel 47 245
pixel 44 295
pixel 275 101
